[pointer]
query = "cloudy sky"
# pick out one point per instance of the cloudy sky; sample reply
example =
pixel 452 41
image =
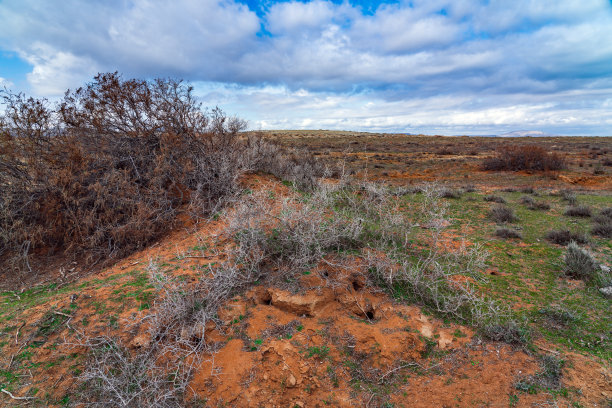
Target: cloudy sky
pixel 421 66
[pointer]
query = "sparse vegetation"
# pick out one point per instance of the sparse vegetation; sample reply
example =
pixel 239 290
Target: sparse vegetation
pixel 495 199
pixel 564 237
pixel 578 211
pixel 580 264
pixel 524 157
pixel 502 214
pixel 507 233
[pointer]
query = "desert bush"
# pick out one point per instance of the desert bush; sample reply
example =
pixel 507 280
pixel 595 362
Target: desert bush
pixel 524 157
pixel 580 264
pixel 502 214
pixel 569 196
pixel 114 377
pixel 527 200
pixel 298 167
pixel 495 199
pixel 533 204
pixel 547 378
pixel 557 317
pixel 606 212
pixel 578 211
pixel 603 229
pixel 108 169
pixel 449 193
pixel 507 233
pixel 564 237
pixel 527 190
pixel 509 331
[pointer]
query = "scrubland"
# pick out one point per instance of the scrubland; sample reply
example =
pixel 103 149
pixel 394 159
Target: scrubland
pixel 156 255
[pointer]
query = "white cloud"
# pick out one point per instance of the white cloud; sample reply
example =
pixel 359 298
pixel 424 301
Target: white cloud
pixel 418 63
pixel 55 71
pixel 5 83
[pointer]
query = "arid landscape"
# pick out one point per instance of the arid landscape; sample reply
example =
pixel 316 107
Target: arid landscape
pixel 306 203
pixel 326 269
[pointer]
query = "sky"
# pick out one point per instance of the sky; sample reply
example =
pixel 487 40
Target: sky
pixel 446 67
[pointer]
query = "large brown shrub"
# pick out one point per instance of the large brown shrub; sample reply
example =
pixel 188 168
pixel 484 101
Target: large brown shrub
pixel 106 171
pixel 524 157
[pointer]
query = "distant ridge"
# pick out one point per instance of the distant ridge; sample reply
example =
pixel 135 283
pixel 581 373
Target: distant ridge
pixel 525 133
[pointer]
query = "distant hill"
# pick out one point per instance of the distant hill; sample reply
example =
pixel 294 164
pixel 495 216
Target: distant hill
pixel 525 133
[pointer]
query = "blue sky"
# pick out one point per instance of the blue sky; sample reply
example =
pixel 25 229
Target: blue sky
pixel 421 66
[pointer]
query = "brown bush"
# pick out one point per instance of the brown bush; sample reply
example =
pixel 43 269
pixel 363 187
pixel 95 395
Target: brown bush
pixel 106 171
pixel 524 157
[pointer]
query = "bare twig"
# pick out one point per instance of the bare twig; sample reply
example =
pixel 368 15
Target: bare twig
pixel 14 397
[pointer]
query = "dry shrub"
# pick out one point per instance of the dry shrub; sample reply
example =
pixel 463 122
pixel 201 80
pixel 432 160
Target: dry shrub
pixel 495 199
pixel 578 211
pixel 564 237
pixel 603 229
pixel 603 223
pixel 106 171
pixel 579 264
pixel 502 214
pixel 298 167
pixel 507 233
pixel 524 157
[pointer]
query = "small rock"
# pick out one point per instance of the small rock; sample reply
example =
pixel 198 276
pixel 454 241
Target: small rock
pixel 607 291
pixel 292 381
pixel 604 268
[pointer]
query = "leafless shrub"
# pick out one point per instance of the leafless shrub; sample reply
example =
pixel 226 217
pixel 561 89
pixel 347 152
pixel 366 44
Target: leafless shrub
pixel 524 157
pixel 569 196
pixel 114 377
pixel 495 199
pixel 158 374
pixel 446 192
pixel 564 237
pixel 606 212
pixel 603 229
pixel 527 200
pixel 527 190
pixel 507 233
pixel 578 211
pixel 508 331
pixel 502 214
pixel 106 171
pixel 300 234
pixel 298 167
pixel 548 377
pixel 603 223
